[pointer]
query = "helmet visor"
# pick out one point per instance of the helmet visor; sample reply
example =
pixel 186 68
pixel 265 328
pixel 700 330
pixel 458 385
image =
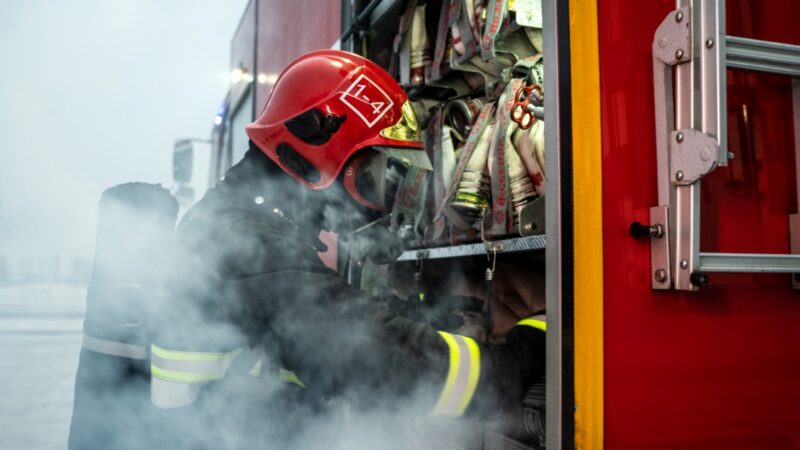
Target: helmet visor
pixel 376 176
pixel 409 157
pixel 407 128
pixel 370 179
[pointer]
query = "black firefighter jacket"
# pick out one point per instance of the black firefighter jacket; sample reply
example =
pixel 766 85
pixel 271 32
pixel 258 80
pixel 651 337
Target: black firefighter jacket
pixel 247 278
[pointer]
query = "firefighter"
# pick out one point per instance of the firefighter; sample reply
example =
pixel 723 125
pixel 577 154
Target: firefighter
pixel 259 327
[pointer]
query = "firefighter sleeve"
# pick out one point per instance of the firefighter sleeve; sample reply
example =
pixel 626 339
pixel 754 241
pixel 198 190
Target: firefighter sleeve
pixel 340 341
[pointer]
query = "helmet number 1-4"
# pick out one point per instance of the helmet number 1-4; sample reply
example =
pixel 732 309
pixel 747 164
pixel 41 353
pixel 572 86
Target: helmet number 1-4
pixel 367 100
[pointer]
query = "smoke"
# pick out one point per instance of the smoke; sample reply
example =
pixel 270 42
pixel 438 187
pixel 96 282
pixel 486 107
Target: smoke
pixel 92 94
pixel 237 276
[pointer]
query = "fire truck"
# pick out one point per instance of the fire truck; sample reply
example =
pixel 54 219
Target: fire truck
pixel 669 235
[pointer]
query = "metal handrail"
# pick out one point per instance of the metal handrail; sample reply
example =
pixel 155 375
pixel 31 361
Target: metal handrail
pixel 762 56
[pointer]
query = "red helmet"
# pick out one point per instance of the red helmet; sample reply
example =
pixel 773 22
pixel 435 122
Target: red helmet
pixel 325 107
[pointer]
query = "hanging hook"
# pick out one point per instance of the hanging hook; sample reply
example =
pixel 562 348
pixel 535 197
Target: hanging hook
pixel 418 279
pixel 487 306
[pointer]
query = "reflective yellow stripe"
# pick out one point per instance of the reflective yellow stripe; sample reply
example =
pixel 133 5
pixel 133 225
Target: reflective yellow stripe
pixel 535 323
pixel 462 375
pixel 183 377
pixel 284 375
pixel 187 356
pixel 290 377
pixel 189 367
pixel 452 372
pixel 256 370
pixel 474 373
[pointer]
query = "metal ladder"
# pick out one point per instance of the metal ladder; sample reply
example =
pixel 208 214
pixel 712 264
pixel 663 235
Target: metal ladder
pixel 691 127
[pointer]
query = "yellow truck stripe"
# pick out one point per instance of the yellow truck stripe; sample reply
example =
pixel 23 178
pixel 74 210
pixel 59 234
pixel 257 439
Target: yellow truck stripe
pixel 588 213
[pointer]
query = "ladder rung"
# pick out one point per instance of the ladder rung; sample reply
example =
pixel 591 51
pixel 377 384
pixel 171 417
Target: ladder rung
pixel 762 56
pixel 749 262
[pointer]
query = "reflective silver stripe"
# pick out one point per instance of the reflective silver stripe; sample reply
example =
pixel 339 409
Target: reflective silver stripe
pixel 114 348
pixel 166 394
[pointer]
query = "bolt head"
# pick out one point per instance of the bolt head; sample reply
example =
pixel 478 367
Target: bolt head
pixel 660 275
pixel 679 175
pixel 679 137
pixel 709 42
pixel 730 155
pixel 706 153
pixel 679 54
pixel 684 264
pixel 679 16
pixel 699 279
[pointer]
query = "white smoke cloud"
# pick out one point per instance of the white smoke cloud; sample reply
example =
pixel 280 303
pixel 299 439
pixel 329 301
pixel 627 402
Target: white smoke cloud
pixel 92 94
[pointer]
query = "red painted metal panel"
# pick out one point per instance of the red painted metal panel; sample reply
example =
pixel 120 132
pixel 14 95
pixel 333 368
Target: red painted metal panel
pixel 720 368
pixel 287 29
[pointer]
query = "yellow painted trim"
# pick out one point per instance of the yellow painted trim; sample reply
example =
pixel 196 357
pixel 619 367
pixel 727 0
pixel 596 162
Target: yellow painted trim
pixel 588 213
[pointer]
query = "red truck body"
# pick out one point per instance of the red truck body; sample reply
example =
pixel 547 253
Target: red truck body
pixel 717 368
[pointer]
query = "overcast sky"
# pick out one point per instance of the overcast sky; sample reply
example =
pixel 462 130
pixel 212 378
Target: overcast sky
pixel 93 93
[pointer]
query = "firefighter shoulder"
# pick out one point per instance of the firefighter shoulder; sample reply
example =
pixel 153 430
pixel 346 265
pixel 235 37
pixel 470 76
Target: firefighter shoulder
pixel 259 319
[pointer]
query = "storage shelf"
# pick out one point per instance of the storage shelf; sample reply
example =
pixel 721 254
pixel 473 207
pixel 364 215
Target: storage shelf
pixel 510 245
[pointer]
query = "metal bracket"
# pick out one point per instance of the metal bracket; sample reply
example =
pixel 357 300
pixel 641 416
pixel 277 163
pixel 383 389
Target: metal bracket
pixel 673 40
pixel 494 247
pixel 660 273
pixel 672 48
pixel 531 218
pixel 692 155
